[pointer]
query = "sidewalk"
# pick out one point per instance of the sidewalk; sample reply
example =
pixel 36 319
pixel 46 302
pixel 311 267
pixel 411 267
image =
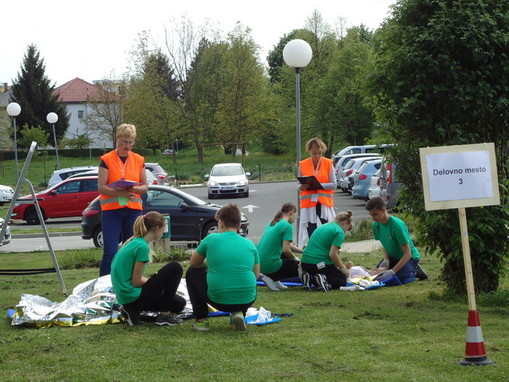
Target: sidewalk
pixel 361 246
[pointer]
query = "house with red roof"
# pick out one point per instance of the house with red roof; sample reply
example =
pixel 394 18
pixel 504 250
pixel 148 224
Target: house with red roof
pixel 83 100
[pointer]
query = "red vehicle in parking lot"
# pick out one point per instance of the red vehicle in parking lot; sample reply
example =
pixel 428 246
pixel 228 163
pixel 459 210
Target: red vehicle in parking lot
pixel 66 199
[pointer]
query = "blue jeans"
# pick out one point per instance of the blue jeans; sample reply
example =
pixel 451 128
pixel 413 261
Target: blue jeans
pixel 117 226
pixel 407 273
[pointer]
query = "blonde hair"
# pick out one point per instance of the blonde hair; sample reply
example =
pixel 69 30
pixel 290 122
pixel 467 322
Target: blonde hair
pixel 316 142
pixel 126 131
pixel 145 223
pixel 344 217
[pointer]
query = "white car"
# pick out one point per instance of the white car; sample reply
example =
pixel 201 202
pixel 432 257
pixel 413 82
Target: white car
pixel 6 194
pixel 227 179
pixel 64 173
pixel 374 186
pixel 7 236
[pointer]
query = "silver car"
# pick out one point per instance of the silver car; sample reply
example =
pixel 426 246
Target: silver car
pixel 6 194
pixel 227 179
pixel 7 236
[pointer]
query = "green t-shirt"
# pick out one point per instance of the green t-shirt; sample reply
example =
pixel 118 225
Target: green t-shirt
pixel 230 260
pixel 122 268
pixel 320 242
pixel 393 235
pixel 270 246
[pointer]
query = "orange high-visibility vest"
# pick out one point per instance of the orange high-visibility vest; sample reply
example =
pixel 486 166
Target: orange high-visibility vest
pixel 324 196
pixel 135 163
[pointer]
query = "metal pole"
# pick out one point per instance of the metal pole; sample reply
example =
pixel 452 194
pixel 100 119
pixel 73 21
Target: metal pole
pixel 15 148
pixel 297 137
pixel 56 147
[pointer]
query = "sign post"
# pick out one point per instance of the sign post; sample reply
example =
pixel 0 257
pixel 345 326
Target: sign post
pixel 459 177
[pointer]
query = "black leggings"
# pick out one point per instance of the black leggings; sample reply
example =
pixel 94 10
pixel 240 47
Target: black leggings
pixel 312 226
pixel 288 269
pixel 334 276
pixel 159 292
pixel 196 279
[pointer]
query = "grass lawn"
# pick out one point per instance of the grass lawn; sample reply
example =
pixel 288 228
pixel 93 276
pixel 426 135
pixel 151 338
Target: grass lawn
pixel 405 333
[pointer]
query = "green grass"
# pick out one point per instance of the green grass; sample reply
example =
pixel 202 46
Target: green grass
pixel 406 333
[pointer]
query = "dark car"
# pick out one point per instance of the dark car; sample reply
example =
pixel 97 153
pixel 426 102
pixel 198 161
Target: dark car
pixel 191 218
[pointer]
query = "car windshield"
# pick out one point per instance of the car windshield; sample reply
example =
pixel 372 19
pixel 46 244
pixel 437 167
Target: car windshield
pixel 226 171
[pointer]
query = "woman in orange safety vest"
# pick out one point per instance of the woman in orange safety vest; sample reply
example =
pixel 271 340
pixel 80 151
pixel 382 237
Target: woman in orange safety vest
pixel 120 206
pixel 316 206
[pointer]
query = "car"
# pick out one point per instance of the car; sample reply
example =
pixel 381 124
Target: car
pixel 374 187
pixel 151 178
pixel 352 165
pixel 158 171
pixel 341 163
pixel 227 179
pixel 389 184
pixel 191 218
pixel 169 152
pixel 64 173
pixel 7 235
pixel 362 178
pixel 66 199
pixel 6 194
pixel 351 150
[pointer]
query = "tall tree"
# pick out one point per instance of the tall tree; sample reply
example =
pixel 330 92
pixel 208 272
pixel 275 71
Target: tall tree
pixel 33 91
pixel 442 79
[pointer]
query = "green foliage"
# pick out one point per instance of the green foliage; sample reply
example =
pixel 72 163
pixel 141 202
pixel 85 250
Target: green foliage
pixel 33 91
pixel 32 134
pixel 440 80
pixel 80 142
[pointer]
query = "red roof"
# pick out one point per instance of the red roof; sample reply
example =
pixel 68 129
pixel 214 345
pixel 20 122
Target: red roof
pixel 79 91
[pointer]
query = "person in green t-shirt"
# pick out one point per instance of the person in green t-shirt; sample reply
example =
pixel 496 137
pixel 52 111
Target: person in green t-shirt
pixel 401 258
pixel 320 259
pixel 223 272
pixel 134 291
pixel 276 251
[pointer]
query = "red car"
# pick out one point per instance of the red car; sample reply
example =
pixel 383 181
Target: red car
pixel 65 199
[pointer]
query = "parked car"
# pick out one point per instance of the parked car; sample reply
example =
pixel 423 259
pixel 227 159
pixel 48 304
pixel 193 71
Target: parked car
pixel 6 194
pixel 351 150
pixel 389 184
pixel 362 178
pixel 341 163
pixel 191 218
pixel 158 171
pixel 151 178
pixel 169 152
pixel 352 165
pixel 64 173
pixel 227 179
pixel 7 236
pixel 374 187
pixel 66 199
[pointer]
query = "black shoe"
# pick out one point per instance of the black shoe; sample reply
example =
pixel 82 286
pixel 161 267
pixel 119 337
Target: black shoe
pixel 321 282
pixel 306 281
pixel 420 273
pixel 131 316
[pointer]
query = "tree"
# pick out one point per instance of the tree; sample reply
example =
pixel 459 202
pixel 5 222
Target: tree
pixel 441 79
pixel 33 91
pixel 31 134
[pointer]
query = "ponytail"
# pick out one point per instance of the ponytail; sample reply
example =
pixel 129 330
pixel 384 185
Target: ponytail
pixel 287 207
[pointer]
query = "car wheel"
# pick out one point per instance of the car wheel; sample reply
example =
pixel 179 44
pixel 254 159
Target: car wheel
pixel 98 238
pixel 31 216
pixel 209 228
pixel 246 194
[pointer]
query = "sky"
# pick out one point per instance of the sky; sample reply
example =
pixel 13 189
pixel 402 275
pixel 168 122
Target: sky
pixel 92 39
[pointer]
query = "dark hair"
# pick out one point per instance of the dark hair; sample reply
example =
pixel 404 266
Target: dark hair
pixel 230 216
pixel 344 216
pixel 287 207
pixel 376 202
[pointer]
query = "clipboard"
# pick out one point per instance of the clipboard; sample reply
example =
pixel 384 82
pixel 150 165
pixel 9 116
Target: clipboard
pixel 121 184
pixel 314 184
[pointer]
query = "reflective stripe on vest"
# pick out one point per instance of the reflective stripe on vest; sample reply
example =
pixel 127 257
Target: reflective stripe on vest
pixel 115 199
pixel 322 196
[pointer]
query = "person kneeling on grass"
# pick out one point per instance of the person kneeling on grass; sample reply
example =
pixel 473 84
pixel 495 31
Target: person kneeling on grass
pixel 134 291
pixel 401 258
pixel 223 272
pixel 321 256
pixel 276 251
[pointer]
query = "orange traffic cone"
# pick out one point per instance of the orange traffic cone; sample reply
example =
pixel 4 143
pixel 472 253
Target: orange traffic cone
pixel 475 352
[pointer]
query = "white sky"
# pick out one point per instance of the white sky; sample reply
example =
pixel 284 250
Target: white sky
pixel 92 39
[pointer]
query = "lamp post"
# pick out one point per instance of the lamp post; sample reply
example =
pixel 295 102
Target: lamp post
pixel 297 54
pixel 13 109
pixel 53 118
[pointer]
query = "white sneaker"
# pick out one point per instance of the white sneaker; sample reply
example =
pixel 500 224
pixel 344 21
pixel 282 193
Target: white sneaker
pixel 270 283
pixel 279 285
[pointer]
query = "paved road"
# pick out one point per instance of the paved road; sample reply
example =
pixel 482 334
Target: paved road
pixel 261 205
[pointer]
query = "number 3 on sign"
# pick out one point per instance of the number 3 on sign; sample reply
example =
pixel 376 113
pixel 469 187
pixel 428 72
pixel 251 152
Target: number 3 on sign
pixel 461 181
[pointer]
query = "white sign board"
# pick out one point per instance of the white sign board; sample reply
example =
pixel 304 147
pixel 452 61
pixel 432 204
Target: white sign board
pixel 459 176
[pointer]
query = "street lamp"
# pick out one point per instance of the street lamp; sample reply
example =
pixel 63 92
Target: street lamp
pixel 13 109
pixel 297 54
pixel 53 118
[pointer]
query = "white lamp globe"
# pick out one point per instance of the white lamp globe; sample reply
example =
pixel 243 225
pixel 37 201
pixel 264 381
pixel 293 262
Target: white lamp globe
pixel 52 117
pixel 13 109
pixel 297 53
